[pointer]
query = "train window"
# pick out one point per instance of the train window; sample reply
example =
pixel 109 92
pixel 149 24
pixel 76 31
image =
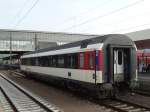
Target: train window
pixel 50 60
pixel 74 60
pixel 54 61
pixel 61 61
pixel 39 61
pixel 119 57
pixel 68 61
pixel 32 61
pixel 46 62
pixel 28 62
pixel 81 60
pixel 71 61
pixel 22 62
pixel 90 60
pixel 43 61
pixel 36 61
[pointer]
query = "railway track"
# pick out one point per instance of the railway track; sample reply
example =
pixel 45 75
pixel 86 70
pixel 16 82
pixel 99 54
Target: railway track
pixel 120 106
pixel 14 98
pixel 142 92
pixel 5 103
pixel 123 106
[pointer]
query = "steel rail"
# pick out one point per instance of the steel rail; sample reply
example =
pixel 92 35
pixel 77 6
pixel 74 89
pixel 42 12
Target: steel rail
pixel 44 105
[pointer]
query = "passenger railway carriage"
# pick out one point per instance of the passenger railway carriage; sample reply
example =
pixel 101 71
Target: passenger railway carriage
pixel 98 63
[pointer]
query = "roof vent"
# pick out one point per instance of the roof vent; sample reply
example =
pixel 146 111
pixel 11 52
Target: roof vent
pixel 84 43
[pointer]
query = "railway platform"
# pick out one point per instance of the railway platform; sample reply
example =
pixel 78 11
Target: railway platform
pixel 144 82
pixel 144 76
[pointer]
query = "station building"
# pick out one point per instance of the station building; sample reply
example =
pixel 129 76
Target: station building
pixel 141 38
pixel 20 41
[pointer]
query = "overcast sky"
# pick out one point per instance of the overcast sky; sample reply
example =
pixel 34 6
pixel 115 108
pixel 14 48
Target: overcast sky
pixel 75 16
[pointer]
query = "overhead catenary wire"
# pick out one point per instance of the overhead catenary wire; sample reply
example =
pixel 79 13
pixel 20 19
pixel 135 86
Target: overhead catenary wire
pixel 19 12
pixel 83 13
pixel 27 13
pixel 121 21
pixel 129 28
pixel 104 15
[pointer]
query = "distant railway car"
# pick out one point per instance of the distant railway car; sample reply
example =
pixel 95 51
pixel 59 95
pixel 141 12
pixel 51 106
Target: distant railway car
pixel 99 63
pixel 143 60
pixel 11 63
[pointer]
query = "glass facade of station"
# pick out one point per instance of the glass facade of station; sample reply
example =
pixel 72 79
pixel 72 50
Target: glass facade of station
pixel 17 41
pixel 16 45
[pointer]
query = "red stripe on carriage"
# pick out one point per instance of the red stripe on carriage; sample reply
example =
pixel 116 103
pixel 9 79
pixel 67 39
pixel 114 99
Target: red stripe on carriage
pixel 94 58
pixel 86 60
pixel 99 60
pixel 78 64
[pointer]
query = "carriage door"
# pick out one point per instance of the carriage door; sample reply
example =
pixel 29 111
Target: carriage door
pixel 118 65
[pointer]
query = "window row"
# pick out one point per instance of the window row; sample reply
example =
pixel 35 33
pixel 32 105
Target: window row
pixel 75 60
